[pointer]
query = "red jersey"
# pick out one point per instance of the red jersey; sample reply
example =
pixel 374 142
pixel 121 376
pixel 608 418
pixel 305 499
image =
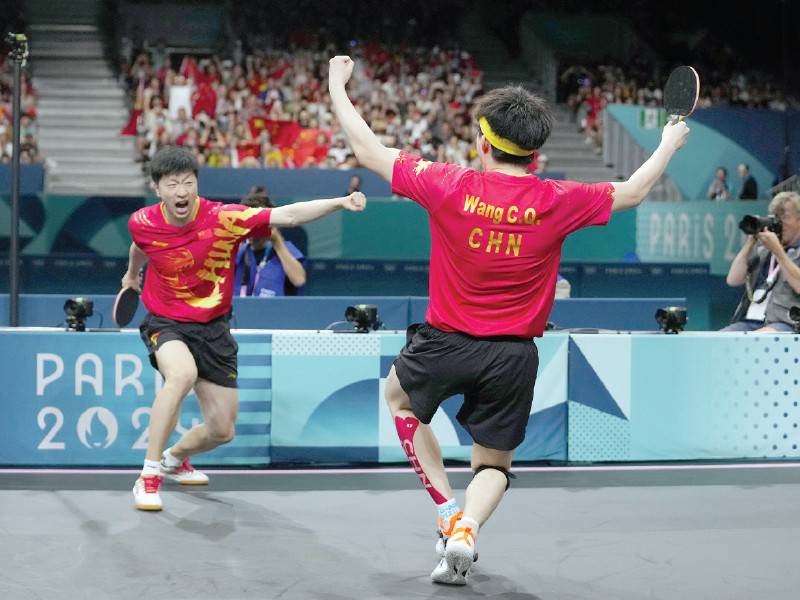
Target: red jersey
pixel 496 242
pixel 190 276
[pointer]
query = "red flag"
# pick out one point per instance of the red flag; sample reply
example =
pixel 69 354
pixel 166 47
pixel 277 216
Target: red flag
pixel 307 145
pixel 245 149
pixel 257 124
pixel 132 127
pixel 282 133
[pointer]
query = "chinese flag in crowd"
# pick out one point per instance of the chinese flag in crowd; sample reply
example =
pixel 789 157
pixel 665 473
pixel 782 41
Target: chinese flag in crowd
pixel 306 145
pixel 245 149
pixel 282 133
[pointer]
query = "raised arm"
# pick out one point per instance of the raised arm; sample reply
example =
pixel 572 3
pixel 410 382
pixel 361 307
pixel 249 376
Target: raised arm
pixel 628 194
pixel 291 266
pixel 368 150
pixel 299 213
pixel 737 273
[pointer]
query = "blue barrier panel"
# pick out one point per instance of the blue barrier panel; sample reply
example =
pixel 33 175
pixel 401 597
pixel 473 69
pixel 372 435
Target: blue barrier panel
pixel 318 312
pixel 338 415
pixel 619 314
pixel 225 183
pixel 374 277
pixel 317 398
pixel 691 282
pixel 305 312
pixel 85 398
pixel 683 397
pixel 311 312
pixel 31 179
pixel 305 397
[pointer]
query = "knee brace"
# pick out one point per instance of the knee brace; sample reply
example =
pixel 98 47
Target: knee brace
pixel 509 475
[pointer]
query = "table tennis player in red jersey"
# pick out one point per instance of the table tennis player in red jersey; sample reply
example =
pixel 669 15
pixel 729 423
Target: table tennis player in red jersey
pixel 191 245
pixel 496 239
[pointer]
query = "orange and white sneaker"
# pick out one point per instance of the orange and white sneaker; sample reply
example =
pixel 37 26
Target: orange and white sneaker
pixel 145 492
pixel 459 555
pixel 184 473
pixel 445 531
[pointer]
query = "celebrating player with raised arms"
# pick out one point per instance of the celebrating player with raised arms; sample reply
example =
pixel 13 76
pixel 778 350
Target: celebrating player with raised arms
pixel 496 238
pixel 191 245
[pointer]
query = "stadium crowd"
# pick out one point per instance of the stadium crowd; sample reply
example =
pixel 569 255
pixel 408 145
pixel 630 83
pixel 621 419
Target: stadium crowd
pixel 273 109
pixel 587 90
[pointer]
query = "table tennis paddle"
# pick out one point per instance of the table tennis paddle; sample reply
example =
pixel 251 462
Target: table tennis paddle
pixel 125 305
pixel 681 92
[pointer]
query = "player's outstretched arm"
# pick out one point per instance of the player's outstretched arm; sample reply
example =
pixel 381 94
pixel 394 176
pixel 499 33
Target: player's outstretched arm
pixel 299 213
pixel 628 194
pixel 368 150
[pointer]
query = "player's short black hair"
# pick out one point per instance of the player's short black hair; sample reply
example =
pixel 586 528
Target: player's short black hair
pixel 258 198
pixel 518 115
pixel 173 160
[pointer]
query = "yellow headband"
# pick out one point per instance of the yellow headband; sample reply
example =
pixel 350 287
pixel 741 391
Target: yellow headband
pixel 503 144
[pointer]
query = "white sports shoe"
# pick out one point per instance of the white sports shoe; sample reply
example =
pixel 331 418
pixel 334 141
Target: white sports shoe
pixel 145 492
pixel 459 556
pixel 183 473
pixel 445 531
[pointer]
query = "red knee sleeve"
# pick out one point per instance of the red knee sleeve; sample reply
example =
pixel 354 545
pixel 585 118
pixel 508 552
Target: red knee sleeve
pixel 405 430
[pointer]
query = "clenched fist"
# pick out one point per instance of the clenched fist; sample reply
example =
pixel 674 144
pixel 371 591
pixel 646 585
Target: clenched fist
pixel 340 70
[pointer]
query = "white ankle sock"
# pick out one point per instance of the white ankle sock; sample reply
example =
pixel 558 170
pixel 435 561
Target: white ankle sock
pixel 151 467
pixel 470 522
pixel 447 510
pixel 170 460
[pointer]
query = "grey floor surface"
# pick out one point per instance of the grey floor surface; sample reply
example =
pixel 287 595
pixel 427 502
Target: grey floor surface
pixel 567 534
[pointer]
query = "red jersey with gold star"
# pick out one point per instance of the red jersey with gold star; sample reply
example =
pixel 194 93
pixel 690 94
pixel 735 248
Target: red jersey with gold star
pixel 190 275
pixel 496 242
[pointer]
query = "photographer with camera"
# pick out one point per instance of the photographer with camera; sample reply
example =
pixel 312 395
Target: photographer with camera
pixel 771 271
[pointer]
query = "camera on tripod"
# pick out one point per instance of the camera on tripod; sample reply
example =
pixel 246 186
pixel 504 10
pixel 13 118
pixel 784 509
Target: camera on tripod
pixel 752 224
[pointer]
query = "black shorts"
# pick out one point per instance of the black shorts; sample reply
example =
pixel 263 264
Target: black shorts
pixel 211 344
pixel 495 374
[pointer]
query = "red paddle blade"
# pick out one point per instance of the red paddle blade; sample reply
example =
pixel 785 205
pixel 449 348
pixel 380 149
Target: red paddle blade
pixel 682 91
pixel 125 305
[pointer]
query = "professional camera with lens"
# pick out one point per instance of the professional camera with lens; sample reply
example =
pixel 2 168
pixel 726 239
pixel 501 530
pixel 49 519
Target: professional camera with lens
pixel 752 224
pixel 365 317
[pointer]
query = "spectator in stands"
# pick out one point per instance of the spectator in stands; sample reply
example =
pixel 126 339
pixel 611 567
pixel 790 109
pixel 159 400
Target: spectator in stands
pixel 268 267
pixel 155 122
pixel 355 184
pixel 271 156
pixel 718 190
pixel 182 122
pixel 563 288
pixel 541 163
pixel 749 188
pixel 27 128
pixel 212 136
pixel 770 272
pixel 339 150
